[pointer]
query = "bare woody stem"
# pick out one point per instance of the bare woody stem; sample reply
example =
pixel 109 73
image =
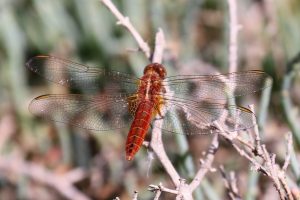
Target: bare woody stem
pixel 262 160
pixel 62 183
pixel 230 183
pixel 156 143
pixel 233 35
pixel 159 47
pixel 206 164
pixel 125 21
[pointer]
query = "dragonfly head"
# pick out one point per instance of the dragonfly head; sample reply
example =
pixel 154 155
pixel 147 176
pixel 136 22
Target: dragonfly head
pixel 157 68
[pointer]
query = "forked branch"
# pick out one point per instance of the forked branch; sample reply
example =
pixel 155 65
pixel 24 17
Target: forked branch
pixel 261 159
pixel 183 190
pixel 63 183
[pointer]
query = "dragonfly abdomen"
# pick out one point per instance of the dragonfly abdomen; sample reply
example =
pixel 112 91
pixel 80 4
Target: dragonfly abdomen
pixel 139 128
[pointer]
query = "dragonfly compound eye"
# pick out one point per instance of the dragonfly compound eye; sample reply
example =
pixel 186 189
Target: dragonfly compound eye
pixel 157 68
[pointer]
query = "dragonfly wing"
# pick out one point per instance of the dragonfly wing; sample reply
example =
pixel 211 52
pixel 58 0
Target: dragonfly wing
pixel 189 117
pixel 100 113
pixel 217 87
pixel 71 74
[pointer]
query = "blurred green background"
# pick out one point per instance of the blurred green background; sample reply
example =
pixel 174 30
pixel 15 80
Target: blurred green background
pixel 197 43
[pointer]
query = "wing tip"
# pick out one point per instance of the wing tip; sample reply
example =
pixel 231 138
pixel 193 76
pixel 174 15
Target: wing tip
pixel 41 97
pixel 29 63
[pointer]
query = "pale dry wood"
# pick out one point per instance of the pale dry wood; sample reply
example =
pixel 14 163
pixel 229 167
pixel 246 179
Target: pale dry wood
pixel 161 188
pixel 263 161
pixel 289 146
pixel 234 28
pixel 183 190
pixel 230 183
pixel 14 164
pixel 63 183
pixel 135 195
pixel 156 143
pixel 206 164
pixel 125 21
pixel 160 44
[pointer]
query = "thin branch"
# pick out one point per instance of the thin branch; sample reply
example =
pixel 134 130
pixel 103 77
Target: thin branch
pixel 160 44
pixel 287 189
pixel 184 191
pixel 230 184
pixel 135 195
pixel 233 41
pixel 289 144
pixel 257 148
pixel 61 182
pixel 157 195
pixel 125 21
pixel 242 152
pixel 267 166
pixel 161 188
pixel 206 164
pixel 269 162
pixel 156 141
pixel 158 148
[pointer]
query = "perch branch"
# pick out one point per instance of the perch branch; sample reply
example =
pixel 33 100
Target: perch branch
pixel 234 28
pixel 160 44
pixel 156 143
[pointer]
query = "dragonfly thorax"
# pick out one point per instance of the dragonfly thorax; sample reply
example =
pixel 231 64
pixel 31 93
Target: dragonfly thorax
pixel 155 68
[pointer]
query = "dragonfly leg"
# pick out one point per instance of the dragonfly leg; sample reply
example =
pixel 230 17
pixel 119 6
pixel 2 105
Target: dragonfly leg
pixel 158 112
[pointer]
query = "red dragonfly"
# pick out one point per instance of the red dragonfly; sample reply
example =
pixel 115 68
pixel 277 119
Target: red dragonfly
pixel 188 104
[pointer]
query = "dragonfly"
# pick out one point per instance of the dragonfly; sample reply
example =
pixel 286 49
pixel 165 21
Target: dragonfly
pixel 187 104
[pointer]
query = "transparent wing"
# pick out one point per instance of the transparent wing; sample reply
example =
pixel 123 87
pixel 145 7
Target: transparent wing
pixel 217 87
pixel 68 73
pixel 190 117
pixel 90 112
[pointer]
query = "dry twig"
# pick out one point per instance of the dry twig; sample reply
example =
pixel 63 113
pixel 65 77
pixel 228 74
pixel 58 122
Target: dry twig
pixel 233 37
pixel 183 190
pixel 263 161
pixel 156 142
pixel 289 147
pixel 205 164
pixel 135 195
pixel 125 21
pixel 61 182
pixel 230 184
pixel 249 149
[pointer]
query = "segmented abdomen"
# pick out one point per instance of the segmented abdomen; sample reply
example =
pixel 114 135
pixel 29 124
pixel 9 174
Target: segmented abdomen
pixel 139 128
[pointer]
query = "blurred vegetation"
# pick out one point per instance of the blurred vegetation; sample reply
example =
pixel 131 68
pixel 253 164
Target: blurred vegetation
pixel 197 43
